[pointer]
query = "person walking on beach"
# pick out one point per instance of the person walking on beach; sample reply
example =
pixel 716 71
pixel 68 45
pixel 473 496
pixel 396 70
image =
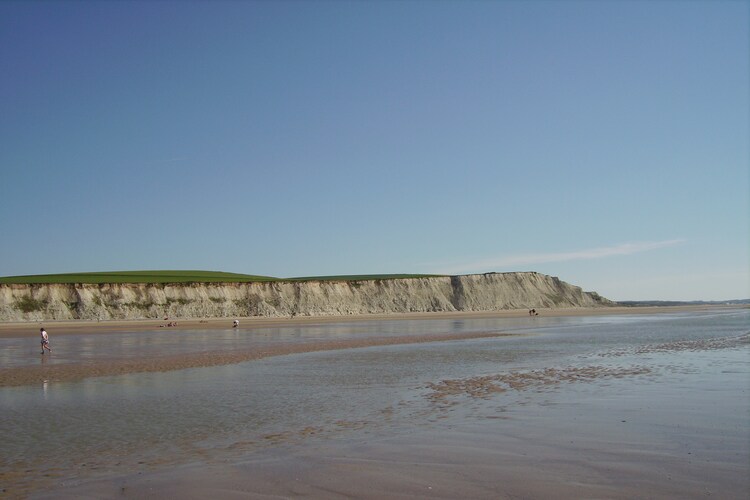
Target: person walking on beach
pixel 45 340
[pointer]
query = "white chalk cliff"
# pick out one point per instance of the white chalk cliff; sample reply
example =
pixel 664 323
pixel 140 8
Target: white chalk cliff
pixel 479 292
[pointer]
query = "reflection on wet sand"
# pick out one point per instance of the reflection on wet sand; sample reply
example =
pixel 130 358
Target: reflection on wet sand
pixel 25 375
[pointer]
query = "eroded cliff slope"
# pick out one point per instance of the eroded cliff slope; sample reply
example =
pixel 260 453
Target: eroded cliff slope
pixel 480 292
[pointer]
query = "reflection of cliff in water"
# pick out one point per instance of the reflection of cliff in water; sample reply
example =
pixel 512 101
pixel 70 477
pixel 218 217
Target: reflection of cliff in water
pixel 479 292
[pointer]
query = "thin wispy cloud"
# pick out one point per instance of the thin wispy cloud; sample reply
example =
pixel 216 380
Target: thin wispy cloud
pixel 507 261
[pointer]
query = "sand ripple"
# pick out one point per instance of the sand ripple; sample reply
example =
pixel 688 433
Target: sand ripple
pixel 684 345
pixel 485 386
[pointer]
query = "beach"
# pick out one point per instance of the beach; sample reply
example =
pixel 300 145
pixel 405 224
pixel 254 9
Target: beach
pixel 613 403
pixel 71 368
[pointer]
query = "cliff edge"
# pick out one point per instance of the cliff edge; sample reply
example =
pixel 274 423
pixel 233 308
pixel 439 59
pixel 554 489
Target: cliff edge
pixel 477 292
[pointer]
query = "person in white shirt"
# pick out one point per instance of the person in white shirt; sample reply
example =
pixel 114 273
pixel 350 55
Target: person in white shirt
pixel 45 340
pixel 235 323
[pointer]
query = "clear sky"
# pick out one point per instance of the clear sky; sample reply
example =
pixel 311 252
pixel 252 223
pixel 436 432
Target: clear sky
pixel 606 143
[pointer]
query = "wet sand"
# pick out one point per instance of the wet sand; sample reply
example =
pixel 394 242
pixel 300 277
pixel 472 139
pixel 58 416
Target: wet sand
pixel 626 414
pixel 450 465
pixel 567 432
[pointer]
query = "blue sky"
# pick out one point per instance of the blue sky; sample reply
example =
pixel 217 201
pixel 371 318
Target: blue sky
pixel 602 142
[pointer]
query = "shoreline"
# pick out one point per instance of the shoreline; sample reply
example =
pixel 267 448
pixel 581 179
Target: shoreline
pixel 78 327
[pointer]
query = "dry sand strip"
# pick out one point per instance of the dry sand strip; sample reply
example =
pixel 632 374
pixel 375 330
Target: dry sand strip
pixel 78 327
pixel 31 375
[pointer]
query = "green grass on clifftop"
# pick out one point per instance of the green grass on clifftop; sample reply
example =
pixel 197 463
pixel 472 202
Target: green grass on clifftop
pixel 185 277
pixel 138 277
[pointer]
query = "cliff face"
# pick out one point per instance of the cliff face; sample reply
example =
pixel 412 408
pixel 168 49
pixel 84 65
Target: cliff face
pixel 480 292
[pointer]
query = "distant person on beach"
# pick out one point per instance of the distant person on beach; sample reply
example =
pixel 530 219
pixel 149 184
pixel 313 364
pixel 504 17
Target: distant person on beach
pixel 235 323
pixel 45 340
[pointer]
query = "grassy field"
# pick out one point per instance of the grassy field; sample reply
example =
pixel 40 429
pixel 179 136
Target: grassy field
pixel 139 277
pixel 184 277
